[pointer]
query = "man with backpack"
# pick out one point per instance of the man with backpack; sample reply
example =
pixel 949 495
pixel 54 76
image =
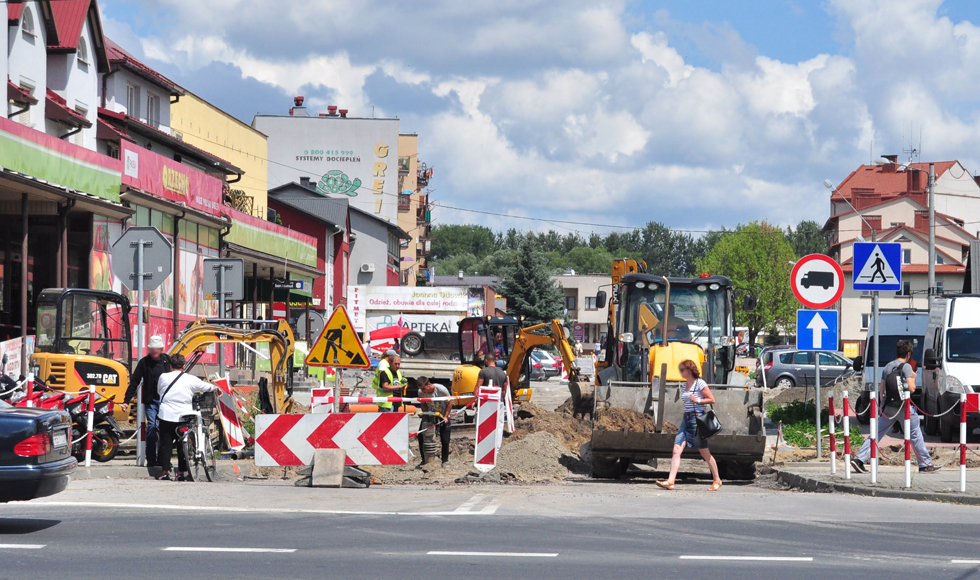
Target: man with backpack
pixel 897 384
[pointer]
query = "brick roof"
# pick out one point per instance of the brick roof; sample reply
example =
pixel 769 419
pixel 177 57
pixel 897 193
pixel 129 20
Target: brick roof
pixel 118 56
pixel 887 182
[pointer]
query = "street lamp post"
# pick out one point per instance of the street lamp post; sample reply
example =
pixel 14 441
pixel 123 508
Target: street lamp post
pixel 932 214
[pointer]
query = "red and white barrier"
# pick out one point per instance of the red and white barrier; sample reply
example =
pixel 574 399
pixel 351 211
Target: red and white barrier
pixel 832 419
pixel 873 410
pixel 368 438
pixel 321 400
pixel 962 442
pixel 91 425
pixel 908 442
pixel 489 428
pixel 509 400
pixel 30 392
pixel 230 423
pixel 847 437
pixel 375 400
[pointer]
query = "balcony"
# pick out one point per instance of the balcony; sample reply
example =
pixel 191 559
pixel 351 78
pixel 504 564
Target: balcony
pixel 239 200
pixel 404 203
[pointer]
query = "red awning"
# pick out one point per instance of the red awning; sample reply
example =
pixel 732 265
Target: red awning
pixel 19 95
pixel 58 110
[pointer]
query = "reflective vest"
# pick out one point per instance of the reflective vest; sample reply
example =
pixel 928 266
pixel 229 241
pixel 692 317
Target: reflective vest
pixel 392 379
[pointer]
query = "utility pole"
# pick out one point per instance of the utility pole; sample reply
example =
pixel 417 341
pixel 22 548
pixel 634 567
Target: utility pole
pixel 932 228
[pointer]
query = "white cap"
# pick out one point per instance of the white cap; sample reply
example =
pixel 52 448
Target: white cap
pixel 391 352
pixel 156 341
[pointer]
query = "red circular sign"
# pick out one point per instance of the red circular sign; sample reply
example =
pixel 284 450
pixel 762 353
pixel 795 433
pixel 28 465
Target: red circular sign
pixel 817 281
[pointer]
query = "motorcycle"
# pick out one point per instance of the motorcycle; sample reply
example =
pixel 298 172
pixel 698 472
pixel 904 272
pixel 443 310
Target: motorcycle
pixel 106 433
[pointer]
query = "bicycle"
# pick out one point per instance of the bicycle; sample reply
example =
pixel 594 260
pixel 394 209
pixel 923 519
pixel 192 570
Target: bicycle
pixel 195 440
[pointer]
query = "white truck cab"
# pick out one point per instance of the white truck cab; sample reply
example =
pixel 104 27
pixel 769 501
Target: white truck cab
pixel 951 361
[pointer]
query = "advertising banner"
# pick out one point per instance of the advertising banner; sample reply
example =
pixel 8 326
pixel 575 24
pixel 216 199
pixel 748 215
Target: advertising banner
pixel 169 179
pixel 420 323
pixel 419 298
pixel 10 349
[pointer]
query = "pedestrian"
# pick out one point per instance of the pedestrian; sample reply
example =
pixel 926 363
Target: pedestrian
pixel 578 348
pixel 596 348
pixel 385 361
pixel 898 371
pixel 177 390
pixel 696 396
pixel 491 374
pixel 147 373
pixel 388 382
pixel 436 417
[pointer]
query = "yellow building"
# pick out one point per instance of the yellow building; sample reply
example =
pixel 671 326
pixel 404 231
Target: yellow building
pixel 207 127
pixel 413 214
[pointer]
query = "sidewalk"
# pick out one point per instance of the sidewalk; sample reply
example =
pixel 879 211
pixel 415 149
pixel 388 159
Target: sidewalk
pixel 125 468
pixel 939 486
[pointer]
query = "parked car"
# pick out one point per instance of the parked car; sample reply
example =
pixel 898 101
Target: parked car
pixel 549 364
pixel 896 325
pixel 35 452
pixel 791 367
pixel 952 363
pixel 537 371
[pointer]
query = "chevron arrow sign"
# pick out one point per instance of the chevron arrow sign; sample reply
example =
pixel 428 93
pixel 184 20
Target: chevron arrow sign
pixel 368 438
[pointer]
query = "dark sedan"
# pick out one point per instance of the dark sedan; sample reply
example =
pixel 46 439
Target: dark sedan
pixel 35 452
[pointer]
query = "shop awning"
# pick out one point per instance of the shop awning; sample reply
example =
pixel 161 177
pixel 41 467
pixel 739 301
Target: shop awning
pixel 58 110
pixel 266 261
pixel 13 184
pixel 151 201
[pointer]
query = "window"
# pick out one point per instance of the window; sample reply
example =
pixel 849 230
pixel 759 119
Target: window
pixel 865 321
pixel 80 136
pixel 570 303
pixel 590 303
pixel 25 117
pixel 939 287
pixel 906 256
pixel 27 24
pixel 152 110
pixel 142 216
pixel 796 358
pixel 82 52
pixel 906 289
pixel 939 259
pixel 829 360
pixel 133 101
pixel 896 224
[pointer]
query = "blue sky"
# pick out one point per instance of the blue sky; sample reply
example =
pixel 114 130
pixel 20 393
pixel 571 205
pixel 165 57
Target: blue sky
pixel 698 114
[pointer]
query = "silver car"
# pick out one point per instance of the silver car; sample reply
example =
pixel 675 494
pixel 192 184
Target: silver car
pixel 790 368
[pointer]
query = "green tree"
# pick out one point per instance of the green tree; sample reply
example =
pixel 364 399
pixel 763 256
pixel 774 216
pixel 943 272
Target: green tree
pixel 757 258
pixel 452 239
pixel 529 289
pixel 807 239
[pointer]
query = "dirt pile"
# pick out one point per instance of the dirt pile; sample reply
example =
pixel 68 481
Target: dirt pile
pixel 571 432
pixel 539 456
pixel 617 419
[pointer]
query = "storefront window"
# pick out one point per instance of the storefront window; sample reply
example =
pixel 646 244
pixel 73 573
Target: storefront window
pixel 189 235
pixel 168 224
pixel 142 216
pixel 156 219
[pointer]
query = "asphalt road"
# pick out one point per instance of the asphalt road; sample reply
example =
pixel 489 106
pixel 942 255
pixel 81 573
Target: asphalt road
pixel 569 531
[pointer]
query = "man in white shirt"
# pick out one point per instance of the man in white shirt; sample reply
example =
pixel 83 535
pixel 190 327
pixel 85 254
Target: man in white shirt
pixel 177 390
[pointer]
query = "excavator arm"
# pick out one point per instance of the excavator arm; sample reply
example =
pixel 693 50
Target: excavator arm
pixel 531 337
pixel 202 333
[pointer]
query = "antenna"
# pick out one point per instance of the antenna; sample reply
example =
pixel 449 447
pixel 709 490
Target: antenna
pixel 913 152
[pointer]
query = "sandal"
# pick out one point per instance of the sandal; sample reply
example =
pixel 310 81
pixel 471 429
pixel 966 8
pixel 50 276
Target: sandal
pixel 715 486
pixel 666 484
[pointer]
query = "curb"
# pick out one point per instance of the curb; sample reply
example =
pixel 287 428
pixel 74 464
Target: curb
pixel 811 485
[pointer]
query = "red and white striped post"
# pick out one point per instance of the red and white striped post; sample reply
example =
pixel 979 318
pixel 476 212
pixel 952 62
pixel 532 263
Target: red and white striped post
pixel 91 425
pixel 832 426
pixel 962 442
pixel 30 390
pixel 908 442
pixel 847 438
pixel 873 410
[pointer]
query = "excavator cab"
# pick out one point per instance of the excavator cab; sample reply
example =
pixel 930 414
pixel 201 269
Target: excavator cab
pixel 479 335
pixel 83 339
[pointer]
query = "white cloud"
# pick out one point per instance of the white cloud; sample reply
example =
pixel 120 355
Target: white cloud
pixel 654 48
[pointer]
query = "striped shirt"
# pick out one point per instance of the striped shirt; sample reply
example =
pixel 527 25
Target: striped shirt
pixel 689 405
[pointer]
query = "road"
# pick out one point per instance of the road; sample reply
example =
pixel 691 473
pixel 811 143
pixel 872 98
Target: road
pixel 145 529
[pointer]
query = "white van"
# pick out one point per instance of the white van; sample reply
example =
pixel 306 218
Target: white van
pixel 951 361
pixel 896 324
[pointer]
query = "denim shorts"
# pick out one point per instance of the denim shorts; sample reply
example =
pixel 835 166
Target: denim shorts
pixel 688 431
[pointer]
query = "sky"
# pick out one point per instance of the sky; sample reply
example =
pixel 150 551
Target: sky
pixel 608 114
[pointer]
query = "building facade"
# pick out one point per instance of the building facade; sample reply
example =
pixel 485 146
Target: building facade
pixel 588 321
pixel 414 212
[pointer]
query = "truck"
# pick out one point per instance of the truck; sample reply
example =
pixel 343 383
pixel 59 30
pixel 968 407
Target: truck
pixel 896 324
pixel 654 323
pixel 952 362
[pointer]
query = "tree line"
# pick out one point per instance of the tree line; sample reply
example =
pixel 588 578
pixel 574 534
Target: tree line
pixel 757 257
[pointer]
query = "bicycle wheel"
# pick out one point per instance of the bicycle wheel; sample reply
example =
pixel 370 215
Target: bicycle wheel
pixel 191 457
pixel 210 462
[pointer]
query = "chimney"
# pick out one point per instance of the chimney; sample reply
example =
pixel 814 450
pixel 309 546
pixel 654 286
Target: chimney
pixel 305 182
pixel 332 111
pixel 460 276
pixel 298 109
pixel 323 114
pixel 343 113
pixel 892 166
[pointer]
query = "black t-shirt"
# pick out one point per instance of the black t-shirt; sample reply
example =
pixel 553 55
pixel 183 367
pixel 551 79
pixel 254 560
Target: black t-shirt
pixel 494 374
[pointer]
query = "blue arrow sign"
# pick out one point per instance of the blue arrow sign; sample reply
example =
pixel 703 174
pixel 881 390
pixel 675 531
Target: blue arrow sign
pixel 816 329
pixel 877 266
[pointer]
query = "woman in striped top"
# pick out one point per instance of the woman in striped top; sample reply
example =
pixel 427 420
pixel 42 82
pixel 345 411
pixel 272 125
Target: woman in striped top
pixel 696 396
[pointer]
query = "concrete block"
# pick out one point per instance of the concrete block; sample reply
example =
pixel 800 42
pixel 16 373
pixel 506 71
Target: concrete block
pixel 328 467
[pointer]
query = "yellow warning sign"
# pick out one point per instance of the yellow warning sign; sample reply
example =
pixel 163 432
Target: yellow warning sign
pixel 338 344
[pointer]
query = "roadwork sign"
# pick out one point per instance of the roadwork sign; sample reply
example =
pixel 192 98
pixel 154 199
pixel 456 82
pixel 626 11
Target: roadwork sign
pixel 817 281
pixel 368 438
pixel 816 329
pixel 878 266
pixel 338 345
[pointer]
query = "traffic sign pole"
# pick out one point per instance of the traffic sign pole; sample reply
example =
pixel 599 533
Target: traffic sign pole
pixel 140 404
pixel 816 369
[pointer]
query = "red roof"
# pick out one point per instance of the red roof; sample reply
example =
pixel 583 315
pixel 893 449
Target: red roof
pixel 69 17
pixel 14 10
pixel 117 55
pixel 19 95
pixel 886 181
pixel 58 110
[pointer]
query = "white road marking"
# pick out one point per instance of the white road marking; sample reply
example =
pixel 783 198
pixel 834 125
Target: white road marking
pixel 21 546
pixel 486 511
pixel 208 549
pixel 965 561
pixel 496 554
pixel 750 558
pixel 468 505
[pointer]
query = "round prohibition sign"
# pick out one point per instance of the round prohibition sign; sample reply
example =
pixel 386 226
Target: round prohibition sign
pixel 817 281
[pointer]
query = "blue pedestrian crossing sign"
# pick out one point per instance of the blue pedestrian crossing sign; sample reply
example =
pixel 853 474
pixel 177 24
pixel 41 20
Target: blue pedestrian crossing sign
pixel 877 266
pixel 816 329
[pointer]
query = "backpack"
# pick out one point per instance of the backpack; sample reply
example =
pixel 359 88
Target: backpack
pixel 895 387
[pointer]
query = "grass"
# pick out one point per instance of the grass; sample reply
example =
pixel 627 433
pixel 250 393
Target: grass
pixel 248 425
pixel 801 429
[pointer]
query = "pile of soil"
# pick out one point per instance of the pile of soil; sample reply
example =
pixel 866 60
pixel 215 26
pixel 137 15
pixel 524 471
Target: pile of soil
pixel 618 419
pixel 539 457
pixel 570 431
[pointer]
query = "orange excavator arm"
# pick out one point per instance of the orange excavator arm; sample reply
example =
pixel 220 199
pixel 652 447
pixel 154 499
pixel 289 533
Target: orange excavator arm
pixel 543 334
pixel 282 344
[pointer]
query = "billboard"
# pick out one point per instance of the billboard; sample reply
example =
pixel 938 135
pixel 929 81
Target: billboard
pixel 343 157
pixel 170 179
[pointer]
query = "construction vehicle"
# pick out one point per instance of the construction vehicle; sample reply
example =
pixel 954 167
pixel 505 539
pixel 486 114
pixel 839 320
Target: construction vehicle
pixel 204 332
pixel 83 340
pixel 654 324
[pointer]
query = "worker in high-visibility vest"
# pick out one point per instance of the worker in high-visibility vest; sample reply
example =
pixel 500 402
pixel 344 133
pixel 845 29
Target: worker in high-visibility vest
pixel 389 382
